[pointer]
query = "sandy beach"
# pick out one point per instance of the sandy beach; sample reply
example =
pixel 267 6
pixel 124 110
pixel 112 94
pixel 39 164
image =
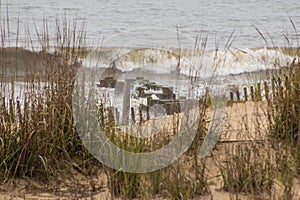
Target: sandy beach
pixel 245 122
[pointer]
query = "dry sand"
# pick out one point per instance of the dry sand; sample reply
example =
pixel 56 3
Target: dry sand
pixel 245 121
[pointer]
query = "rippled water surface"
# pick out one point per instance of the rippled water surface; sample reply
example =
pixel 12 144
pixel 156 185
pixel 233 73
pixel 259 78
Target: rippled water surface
pixel 216 18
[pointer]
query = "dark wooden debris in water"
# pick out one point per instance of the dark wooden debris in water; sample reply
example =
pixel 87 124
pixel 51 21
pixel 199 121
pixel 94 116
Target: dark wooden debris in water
pixel 155 94
pixel 107 82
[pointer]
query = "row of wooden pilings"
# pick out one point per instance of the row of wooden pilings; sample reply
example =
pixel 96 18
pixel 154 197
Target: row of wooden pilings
pixel 137 114
pixel 113 115
pixel 265 90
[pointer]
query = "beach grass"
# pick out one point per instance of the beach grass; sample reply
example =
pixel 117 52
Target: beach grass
pixel 40 129
pixel 39 141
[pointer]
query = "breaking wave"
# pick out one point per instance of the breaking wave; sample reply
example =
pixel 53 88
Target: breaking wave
pixel 189 62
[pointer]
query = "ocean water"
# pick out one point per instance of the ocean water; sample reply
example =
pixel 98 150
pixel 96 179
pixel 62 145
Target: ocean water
pixel 233 27
pixel 215 19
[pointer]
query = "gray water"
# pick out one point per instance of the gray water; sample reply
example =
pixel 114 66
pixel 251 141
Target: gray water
pixel 215 18
pixel 130 23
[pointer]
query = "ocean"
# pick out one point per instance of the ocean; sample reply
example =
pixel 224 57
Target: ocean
pixel 217 19
pixel 234 40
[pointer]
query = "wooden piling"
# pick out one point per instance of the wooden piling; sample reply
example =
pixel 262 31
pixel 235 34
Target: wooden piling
pixel 245 94
pixel 126 102
pixel 238 95
pixel 252 92
pixel 231 96
pixel 148 112
pixel 132 115
pixel 258 92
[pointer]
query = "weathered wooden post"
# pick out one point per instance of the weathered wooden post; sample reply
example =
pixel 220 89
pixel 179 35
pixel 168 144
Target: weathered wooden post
pixel 148 112
pixel 258 95
pixel 132 115
pixel 238 95
pixel 231 96
pixel 252 92
pixel 126 102
pixel 245 94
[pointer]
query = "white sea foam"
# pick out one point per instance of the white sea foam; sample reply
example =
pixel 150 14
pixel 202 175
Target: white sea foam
pixel 206 64
pixel 165 61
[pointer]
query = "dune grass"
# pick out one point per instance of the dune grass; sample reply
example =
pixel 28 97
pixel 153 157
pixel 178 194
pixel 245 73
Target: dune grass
pixel 38 129
pixel 38 138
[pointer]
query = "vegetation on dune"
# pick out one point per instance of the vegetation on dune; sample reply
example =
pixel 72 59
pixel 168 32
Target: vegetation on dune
pixel 38 138
pixel 38 129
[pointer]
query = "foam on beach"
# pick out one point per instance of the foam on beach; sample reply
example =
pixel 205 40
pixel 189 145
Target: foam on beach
pixel 199 63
